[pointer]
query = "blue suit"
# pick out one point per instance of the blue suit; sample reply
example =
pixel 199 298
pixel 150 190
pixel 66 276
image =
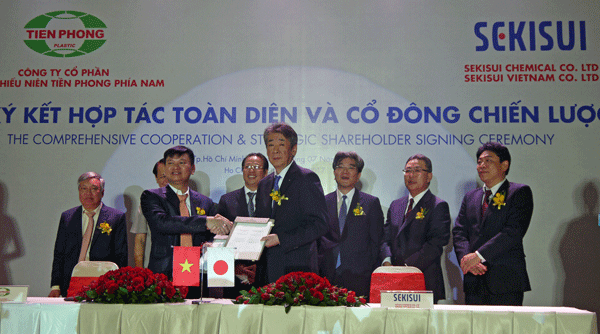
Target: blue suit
pixel 161 209
pixel 419 242
pixel 104 247
pixel 498 237
pixel 358 244
pixel 299 222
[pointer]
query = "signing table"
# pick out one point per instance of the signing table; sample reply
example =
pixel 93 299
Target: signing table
pixel 51 315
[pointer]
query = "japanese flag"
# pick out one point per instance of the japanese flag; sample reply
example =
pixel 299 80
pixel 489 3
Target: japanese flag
pixel 220 266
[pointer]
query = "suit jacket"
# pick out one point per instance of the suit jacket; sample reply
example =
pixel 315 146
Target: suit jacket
pixel 299 222
pixel 498 237
pixel 161 209
pixel 233 204
pixel 358 244
pixel 419 242
pixel 104 247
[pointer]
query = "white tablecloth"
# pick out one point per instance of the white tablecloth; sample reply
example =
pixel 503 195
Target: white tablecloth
pixel 48 315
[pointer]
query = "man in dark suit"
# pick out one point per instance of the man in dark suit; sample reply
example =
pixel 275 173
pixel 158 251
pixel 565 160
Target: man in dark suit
pixel 489 230
pixel 418 227
pixel 241 202
pixel 236 203
pixel 89 232
pixel 177 215
pixel 349 252
pixel 294 198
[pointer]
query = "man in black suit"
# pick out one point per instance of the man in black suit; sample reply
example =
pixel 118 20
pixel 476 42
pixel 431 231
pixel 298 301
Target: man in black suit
pixel 177 215
pixel 241 202
pixel 349 252
pixel 418 226
pixel 489 230
pixel 105 240
pixel 294 198
pixel 236 203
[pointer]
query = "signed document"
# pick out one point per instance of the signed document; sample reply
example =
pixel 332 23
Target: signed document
pixel 245 237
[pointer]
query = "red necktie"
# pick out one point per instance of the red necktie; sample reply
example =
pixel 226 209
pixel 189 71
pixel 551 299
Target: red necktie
pixel 186 238
pixel 87 236
pixel 486 202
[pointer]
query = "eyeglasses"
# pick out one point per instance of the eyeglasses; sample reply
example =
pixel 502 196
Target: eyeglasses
pixel 348 168
pixel 251 167
pixel 416 170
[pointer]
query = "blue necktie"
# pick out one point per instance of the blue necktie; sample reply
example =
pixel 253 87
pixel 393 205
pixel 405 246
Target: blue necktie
pixel 342 220
pixel 276 188
pixel 276 185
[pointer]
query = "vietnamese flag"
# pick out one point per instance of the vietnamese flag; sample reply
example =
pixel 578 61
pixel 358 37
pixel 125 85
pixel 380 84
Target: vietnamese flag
pixel 186 266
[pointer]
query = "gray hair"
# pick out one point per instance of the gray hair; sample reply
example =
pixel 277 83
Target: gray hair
pixel 91 175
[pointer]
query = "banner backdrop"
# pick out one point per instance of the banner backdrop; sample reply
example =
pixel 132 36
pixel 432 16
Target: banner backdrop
pixel 107 87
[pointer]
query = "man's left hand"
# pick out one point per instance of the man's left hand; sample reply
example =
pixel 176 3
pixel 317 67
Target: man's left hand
pixel 270 240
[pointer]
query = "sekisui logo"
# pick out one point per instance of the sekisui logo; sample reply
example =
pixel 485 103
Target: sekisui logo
pixel 65 34
pixel 531 36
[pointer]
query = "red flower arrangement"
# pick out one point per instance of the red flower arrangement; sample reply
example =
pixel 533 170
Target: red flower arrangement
pixel 300 288
pixel 130 285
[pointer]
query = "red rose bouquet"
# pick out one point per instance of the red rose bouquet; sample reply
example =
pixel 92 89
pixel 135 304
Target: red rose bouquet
pixel 300 288
pixel 130 285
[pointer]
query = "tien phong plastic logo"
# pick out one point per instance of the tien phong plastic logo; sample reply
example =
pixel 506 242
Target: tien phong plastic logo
pixel 65 34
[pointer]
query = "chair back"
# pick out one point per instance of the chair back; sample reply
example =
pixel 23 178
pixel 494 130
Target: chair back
pixel 85 272
pixel 395 278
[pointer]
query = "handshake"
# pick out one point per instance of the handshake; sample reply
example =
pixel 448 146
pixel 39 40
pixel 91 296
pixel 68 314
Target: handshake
pixel 218 224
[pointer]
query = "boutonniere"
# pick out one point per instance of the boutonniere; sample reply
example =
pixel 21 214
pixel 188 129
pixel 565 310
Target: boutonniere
pixel 105 227
pixel 200 212
pixel 421 214
pixel 499 199
pixel 358 211
pixel 278 197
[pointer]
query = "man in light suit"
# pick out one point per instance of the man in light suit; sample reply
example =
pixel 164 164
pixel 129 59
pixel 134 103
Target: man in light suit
pixel 489 230
pixel 106 242
pixel 418 226
pixel 293 196
pixel 164 209
pixel 349 252
pixel 241 202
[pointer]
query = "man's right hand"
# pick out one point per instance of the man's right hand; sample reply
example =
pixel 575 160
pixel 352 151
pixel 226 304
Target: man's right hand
pixel 218 225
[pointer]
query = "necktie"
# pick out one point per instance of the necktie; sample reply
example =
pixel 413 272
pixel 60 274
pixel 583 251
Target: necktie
pixel 409 209
pixel 276 185
pixel 251 204
pixel 186 238
pixel 342 220
pixel 486 202
pixel 87 236
pixel 275 188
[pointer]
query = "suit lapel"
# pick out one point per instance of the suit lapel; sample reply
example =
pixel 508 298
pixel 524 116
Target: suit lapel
pixel 489 211
pixel 195 204
pixel 424 203
pixel 242 204
pixel 350 216
pixel 102 217
pixel 172 199
pixel 290 176
pixel 332 207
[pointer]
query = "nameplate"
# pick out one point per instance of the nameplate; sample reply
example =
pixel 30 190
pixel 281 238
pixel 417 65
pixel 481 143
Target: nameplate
pixel 406 299
pixel 13 293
